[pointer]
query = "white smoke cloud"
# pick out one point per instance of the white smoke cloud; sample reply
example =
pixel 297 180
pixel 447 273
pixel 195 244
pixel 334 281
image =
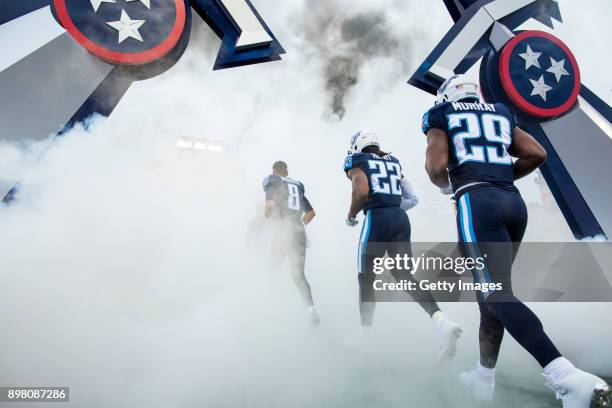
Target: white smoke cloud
pixel 128 271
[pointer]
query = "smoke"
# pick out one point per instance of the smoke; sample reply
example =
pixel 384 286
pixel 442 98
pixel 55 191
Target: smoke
pixel 138 274
pixel 346 39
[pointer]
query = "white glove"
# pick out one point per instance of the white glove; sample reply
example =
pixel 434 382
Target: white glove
pixel 351 222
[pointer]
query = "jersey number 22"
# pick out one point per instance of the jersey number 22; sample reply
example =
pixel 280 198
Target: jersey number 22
pixel 386 178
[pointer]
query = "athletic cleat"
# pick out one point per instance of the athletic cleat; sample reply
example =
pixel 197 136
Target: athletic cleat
pixel 480 388
pixel 580 389
pixel 313 317
pixel 448 334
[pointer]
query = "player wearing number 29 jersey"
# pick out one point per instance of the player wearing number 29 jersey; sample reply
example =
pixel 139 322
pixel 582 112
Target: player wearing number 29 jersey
pixel 479 135
pixel 472 143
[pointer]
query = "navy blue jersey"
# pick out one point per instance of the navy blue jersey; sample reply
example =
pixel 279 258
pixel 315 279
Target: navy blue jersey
pixel 479 135
pixel 288 196
pixel 384 175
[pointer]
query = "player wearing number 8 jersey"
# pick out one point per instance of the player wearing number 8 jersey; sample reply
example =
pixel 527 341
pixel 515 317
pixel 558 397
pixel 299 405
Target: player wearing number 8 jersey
pixel 472 143
pixel 289 211
pixel 380 191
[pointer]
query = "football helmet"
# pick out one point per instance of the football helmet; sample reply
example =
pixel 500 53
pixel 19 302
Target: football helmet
pixel 361 140
pixel 458 87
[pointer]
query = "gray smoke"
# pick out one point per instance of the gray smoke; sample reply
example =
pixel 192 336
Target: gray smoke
pixel 347 42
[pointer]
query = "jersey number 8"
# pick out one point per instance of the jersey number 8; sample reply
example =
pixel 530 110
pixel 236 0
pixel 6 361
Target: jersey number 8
pixel 294 197
pixel 387 178
pixel 495 129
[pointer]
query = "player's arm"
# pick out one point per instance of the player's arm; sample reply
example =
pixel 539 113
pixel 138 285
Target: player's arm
pixel 530 153
pixel 270 187
pixel 361 190
pixel 436 163
pixel 309 212
pixel 308 216
pixel 409 197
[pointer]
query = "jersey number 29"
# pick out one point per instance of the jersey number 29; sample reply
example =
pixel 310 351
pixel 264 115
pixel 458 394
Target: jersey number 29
pixel 495 129
pixel 387 177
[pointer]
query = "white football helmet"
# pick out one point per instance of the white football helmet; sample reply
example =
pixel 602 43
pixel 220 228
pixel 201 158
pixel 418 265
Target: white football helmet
pixel 458 87
pixel 361 140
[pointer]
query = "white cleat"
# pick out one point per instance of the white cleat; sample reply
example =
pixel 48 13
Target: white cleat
pixel 448 335
pixel 313 317
pixel 480 388
pixel 580 389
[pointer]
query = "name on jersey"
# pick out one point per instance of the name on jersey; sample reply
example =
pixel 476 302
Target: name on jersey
pixel 488 107
pixel 385 157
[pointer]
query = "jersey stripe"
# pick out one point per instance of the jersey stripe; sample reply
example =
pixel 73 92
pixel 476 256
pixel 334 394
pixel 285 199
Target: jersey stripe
pixel 363 242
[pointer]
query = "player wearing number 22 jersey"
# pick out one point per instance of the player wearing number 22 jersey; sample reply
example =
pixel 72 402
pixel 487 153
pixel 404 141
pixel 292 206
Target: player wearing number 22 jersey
pixel 378 189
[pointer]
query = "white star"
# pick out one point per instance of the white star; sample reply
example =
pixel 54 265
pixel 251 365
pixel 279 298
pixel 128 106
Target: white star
pixel 531 58
pixel 557 68
pixel 147 3
pixel 127 27
pixel 540 87
pixel 96 3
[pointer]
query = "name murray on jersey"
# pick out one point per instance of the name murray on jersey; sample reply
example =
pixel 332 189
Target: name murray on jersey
pixel 488 107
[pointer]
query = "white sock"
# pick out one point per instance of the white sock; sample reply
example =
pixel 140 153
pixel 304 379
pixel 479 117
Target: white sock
pixel 438 317
pixel 484 373
pixel 559 368
pixel 366 331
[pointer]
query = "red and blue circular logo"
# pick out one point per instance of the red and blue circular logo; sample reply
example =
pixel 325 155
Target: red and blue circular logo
pixel 539 74
pixel 132 32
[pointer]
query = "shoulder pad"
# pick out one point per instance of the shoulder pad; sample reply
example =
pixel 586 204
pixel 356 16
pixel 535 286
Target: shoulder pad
pixel 270 179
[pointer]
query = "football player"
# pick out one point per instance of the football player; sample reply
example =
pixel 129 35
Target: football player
pixel 289 209
pixel 470 146
pixel 380 190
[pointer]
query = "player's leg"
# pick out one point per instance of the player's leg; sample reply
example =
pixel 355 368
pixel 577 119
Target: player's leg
pixel 490 220
pixel 483 218
pixel 365 260
pixel 297 261
pixel 575 387
pixel 481 379
pixel 490 335
pixel 448 332
pixel 399 243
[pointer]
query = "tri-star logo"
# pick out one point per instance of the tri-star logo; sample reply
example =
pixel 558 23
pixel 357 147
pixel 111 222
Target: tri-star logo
pixel 539 74
pixel 137 32
pixel 124 32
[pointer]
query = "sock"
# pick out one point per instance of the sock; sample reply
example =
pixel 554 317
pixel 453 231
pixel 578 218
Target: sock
pixel 366 331
pixel 559 368
pixel 438 317
pixel 484 373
